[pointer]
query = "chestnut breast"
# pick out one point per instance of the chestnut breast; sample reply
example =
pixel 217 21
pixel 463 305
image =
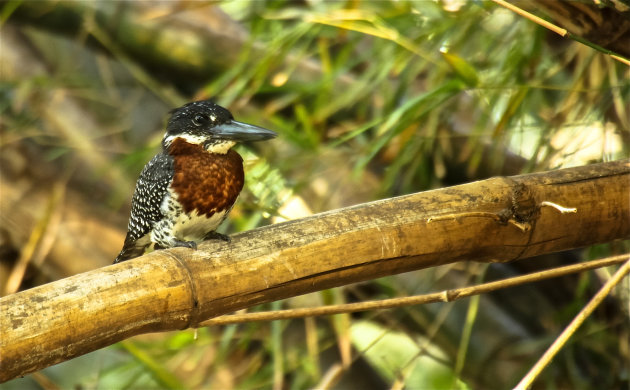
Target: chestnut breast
pixel 205 182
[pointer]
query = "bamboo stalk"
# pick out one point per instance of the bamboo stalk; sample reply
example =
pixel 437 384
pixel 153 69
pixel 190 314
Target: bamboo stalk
pixel 499 219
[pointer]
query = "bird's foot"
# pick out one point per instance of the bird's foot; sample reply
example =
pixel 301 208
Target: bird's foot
pixel 217 236
pixel 185 244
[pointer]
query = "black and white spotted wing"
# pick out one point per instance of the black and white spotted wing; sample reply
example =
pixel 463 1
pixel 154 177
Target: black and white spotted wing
pixel 151 188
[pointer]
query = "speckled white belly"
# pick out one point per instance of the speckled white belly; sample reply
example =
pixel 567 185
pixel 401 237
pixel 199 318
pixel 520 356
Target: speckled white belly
pixel 177 226
pixel 194 227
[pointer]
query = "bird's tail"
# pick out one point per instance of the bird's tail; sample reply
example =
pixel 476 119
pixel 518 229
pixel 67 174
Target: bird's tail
pixel 131 248
pixel 127 254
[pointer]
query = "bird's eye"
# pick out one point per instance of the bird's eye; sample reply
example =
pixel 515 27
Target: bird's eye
pixel 200 120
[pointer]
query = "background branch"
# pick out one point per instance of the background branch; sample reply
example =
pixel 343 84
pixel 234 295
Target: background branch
pixel 444 296
pixel 544 361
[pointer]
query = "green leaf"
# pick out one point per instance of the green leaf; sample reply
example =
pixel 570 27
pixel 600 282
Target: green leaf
pixel 163 376
pixel 395 355
pixel 463 69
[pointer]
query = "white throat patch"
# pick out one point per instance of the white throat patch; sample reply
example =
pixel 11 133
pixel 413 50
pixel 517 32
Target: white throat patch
pixel 220 146
pixel 216 146
pixel 190 138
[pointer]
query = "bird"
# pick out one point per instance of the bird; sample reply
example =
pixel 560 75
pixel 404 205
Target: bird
pixel 187 190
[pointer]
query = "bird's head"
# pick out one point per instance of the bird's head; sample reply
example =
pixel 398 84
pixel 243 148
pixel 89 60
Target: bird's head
pixel 211 126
